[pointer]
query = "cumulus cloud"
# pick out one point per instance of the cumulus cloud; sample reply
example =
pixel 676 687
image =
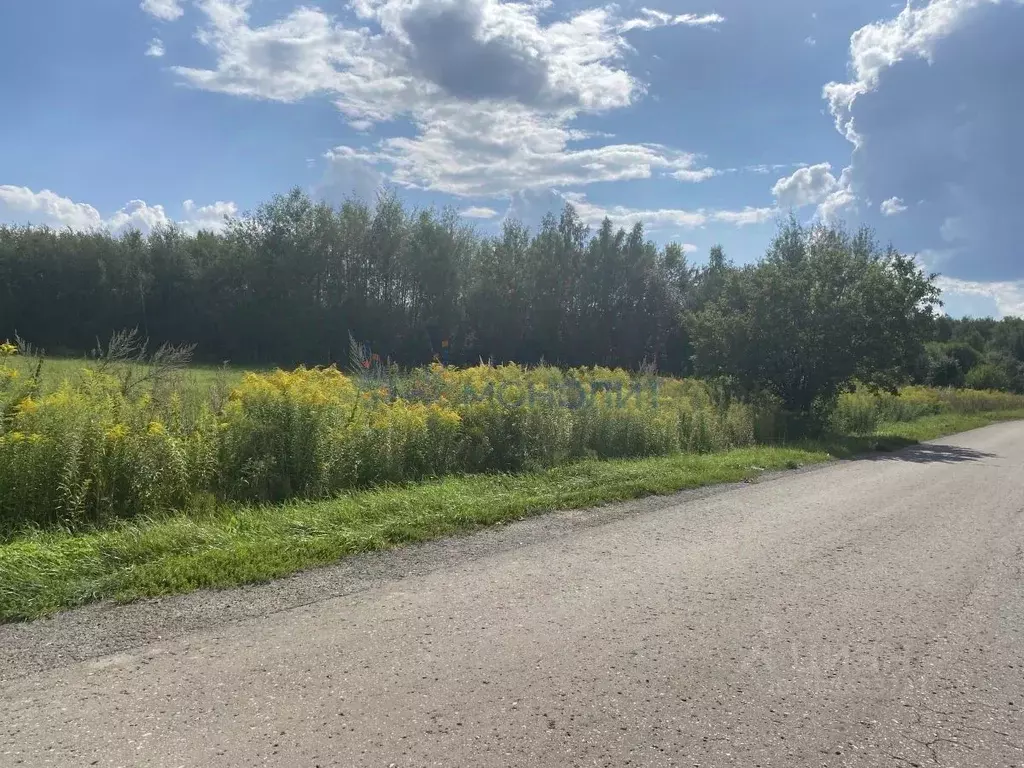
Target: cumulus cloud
pixel 931 110
pixel 806 186
pixel 893 207
pixel 155 48
pixel 876 47
pixel 490 89
pixel 21 205
pixel 165 10
pixel 816 185
pixel 138 214
pixel 212 217
pixel 447 44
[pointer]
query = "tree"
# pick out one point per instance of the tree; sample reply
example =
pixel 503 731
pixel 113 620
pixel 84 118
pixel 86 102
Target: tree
pixel 822 310
pixel 941 369
pixel 987 376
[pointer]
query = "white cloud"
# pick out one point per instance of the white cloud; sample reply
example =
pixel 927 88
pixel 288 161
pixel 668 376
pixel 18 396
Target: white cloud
pixel 156 48
pixel 695 174
pixel 816 185
pixel 664 218
pixel 744 217
pixel 478 212
pixel 1008 295
pixel 875 47
pixel 806 186
pixel 893 206
pixel 838 201
pixel 649 19
pixel 138 214
pixel 763 168
pixel 165 10
pixel 211 217
pixel 810 41
pixel 20 205
pixel 930 106
pixel 490 89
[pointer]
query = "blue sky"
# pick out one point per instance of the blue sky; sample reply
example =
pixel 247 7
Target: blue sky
pixel 706 120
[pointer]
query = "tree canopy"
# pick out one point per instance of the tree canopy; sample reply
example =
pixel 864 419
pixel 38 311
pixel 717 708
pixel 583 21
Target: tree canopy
pixel 822 310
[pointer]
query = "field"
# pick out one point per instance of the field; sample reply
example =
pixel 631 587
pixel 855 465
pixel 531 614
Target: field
pixel 122 483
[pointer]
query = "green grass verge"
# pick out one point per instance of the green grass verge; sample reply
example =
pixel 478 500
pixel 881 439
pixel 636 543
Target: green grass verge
pixel 45 571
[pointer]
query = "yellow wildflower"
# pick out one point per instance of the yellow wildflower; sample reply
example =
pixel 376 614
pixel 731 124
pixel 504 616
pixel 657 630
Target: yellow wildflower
pixel 117 432
pixel 28 405
pixel 156 428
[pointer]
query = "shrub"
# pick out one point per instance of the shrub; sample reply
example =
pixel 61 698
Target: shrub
pixel 988 376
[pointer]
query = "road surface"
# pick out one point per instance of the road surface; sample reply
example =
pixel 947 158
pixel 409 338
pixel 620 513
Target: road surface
pixel 865 613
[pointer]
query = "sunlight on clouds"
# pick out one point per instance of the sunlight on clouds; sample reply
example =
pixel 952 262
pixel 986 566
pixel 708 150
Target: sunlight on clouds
pixel 806 186
pixel 478 212
pixel 1008 295
pixel 931 109
pixel 165 10
pixel 663 218
pixel 650 19
pixel 892 207
pixel 47 208
pixel 816 185
pixel 490 88
pixel 876 47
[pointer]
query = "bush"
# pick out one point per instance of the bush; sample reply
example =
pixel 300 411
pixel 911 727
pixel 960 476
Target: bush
pixel 861 412
pixel 988 376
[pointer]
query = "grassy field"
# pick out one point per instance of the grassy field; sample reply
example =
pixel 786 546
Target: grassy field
pixel 115 483
pixel 45 571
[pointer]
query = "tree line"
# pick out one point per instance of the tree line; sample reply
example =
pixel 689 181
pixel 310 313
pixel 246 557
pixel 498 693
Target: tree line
pixel 289 282
pixel 294 280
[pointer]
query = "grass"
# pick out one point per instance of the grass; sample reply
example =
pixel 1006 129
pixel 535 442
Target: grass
pixel 46 571
pixel 55 370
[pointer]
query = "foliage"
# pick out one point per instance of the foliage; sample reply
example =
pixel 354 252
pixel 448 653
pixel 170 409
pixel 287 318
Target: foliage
pixel 88 449
pixel 44 571
pixel 824 308
pixel 988 376
pixel 287 283
pixel 962 345
pixel 862 412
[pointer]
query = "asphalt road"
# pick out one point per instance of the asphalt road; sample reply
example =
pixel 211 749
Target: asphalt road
pixel 866 613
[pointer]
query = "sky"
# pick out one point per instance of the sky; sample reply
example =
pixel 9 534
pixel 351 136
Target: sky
pixel 707 120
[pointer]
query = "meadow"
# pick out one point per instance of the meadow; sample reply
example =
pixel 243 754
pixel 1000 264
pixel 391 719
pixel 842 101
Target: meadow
pixel 118 482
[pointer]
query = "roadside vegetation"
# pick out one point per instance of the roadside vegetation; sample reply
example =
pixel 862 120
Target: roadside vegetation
pixel 127 470
pixel 48 569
